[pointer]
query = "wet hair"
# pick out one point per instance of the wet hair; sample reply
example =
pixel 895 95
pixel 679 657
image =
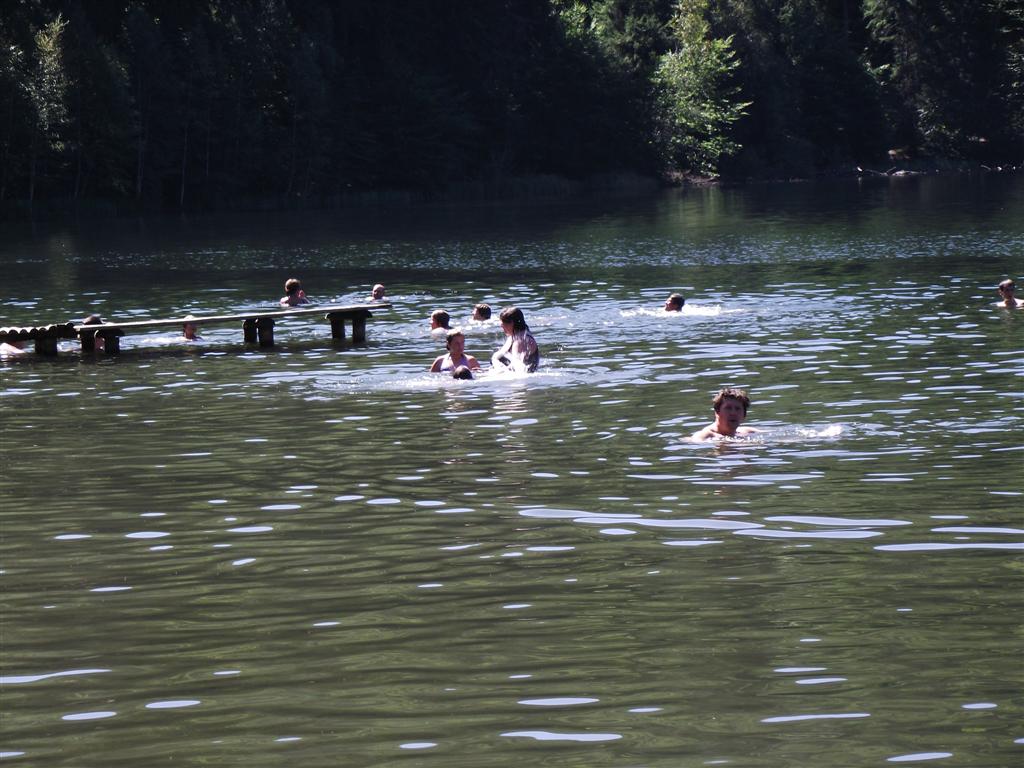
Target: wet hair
pixel 93 320
pixel 462 372
pixel 1007 285
pixel 514 316
pixel 482 312
pixel 735 394
pixel 376 288
pixel 441 317
pixel 452 333
pixel 291 285
pixel 676 300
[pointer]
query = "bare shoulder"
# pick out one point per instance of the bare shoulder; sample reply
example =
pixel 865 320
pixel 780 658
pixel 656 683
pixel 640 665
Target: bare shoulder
pixel 704 434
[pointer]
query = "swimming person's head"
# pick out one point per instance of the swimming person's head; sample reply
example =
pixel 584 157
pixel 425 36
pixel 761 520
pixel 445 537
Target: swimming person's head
pixel 674 303
pixel 439 319
pixel 455 342
pixel 190 330
pixel 512 317
pixel 292 286
pixel 462 372
pixel 482 312
pixel 93 320
pixel 1006 288
pixel 377 292
pixel 731 394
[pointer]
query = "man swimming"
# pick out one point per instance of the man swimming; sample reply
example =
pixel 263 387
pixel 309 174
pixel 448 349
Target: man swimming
pixel 1006 289
pixel 731 407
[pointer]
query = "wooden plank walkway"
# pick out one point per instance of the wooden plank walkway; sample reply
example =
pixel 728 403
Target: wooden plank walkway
pixel 257 327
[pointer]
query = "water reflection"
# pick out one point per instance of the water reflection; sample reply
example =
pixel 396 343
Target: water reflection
pixel 332 547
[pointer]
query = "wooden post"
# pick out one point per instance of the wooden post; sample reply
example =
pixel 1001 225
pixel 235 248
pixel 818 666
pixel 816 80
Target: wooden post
pixel 359 327
pixel 337 325
pixel 88 339
pixel 249 330
pixel 46 341
pixel 265 331
pixel 111 342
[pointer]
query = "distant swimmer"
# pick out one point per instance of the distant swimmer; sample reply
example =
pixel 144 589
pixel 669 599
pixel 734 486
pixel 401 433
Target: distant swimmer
pixel 377 294
pixel 440 322
pixel 12 349
pixel 294 296
pixel 674 303
pixel 482 312
pixel 456 357
pixel 730 410
pixel 462 372
pixel 520 351
pixel 1006 289
pixel 190 330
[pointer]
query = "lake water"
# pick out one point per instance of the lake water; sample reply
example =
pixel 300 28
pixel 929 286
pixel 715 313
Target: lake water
pixel 323 555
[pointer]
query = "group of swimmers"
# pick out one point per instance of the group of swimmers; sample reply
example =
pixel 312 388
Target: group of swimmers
pixel 519 353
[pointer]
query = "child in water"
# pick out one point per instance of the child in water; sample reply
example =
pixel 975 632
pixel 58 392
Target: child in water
pixel 456 357
pixel 293 294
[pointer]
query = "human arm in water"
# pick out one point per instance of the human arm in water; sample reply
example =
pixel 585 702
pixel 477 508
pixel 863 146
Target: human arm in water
pixel 519 353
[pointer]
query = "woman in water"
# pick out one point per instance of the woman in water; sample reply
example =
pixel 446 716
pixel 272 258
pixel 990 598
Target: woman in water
pixel 519 352
pixel 456 357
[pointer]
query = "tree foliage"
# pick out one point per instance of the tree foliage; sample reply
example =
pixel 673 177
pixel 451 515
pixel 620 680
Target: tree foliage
pixel 204 104
pixel 696 102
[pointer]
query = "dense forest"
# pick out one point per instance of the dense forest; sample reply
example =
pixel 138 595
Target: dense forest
pixel 195 105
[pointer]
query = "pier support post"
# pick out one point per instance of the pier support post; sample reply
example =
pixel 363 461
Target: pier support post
pixel 359 327
pixel 337 326
pixel 46 345
pixel 111 342
pixel 249 330
pixel 265 331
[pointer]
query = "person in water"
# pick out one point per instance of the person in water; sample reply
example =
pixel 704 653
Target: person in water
pixel 1006 289
pixel 519 352
pixel 731 407
pixel 12 348
pixel 439 321
pixel 674 303
pixel 482 312
pixel 294 296
pixel 377 294
pixel 190 330
pixel 462 372
pixel 456 357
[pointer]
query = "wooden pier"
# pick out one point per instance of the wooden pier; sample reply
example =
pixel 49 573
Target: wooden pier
pixel 257 327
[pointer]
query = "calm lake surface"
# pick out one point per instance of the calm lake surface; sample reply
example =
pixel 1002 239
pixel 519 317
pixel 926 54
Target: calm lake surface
pixel 322 555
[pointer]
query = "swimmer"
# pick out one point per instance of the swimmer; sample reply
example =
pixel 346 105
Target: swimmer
pixel 482 312
pixel 455 341
pixel 12 349
pixel 674 303
pixel 377 294
pixel 462 372
pixel 293 294
pixel 1006 289
pixel 730 410
pixel 439 321
pixel 520 351
pixel 190 330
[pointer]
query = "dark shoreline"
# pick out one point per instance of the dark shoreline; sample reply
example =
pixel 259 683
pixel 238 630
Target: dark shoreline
pixel 534 188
